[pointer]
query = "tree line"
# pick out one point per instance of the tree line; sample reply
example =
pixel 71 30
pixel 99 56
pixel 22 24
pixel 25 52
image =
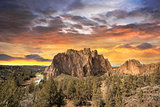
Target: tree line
pixel 82 91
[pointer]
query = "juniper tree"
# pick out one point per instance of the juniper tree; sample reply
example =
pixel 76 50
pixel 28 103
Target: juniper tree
pixel 10 94
pixel 49 95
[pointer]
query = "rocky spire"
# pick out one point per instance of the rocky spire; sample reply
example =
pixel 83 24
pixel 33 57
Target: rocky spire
pixel 78 63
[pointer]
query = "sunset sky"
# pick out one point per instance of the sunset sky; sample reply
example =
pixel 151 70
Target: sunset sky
pixel 33 31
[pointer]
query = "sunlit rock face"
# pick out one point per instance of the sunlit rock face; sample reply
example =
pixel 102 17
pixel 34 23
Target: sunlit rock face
pixel 134 67
pixel 78 63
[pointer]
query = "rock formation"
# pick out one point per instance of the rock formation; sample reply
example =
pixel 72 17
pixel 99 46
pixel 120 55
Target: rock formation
pixel 78 63
pixel 149 68
pixel 134 67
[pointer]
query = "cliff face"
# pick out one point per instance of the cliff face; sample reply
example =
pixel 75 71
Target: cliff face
pixel 78 63
pixel 134 67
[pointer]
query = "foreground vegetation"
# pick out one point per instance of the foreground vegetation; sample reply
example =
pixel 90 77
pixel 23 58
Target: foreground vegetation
pixel 97 91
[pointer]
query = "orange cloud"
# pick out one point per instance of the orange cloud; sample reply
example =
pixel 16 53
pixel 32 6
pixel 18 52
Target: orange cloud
pixel 106 41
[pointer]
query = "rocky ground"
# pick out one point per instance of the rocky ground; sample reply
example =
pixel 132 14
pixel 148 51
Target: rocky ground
pixel 150 97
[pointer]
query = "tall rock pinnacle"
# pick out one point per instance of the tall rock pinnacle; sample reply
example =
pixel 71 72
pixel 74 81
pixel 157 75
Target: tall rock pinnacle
pixel 78 63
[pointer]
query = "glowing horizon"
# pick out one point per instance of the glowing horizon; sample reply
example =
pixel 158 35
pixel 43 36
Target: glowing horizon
pixel 24 62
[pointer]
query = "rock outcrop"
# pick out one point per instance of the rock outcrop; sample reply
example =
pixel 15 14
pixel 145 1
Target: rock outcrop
pixel 134 67
pixel 78 63
pixel 152 67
